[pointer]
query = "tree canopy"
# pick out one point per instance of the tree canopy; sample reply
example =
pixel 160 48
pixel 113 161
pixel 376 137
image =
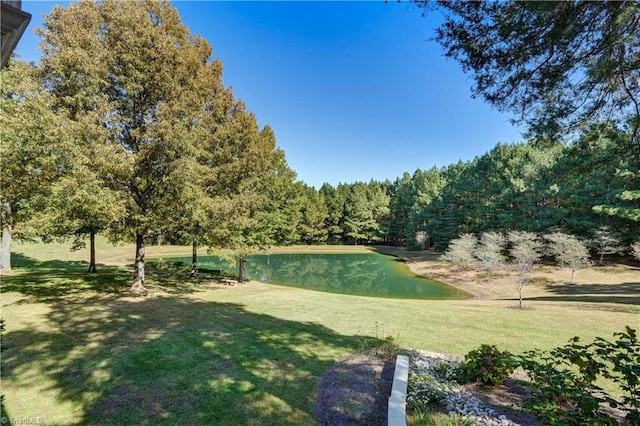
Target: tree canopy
pixel 153 96
pixel 556 66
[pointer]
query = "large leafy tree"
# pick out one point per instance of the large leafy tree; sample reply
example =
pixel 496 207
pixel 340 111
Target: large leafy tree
pixel 259 207
pixel 88 198
pixel 34 150
pixel 141 62
pixel 555 65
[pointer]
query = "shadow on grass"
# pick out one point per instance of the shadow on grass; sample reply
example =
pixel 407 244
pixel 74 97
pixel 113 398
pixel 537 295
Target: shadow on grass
pixel 625 293
pixel 45 281
pixel 164 359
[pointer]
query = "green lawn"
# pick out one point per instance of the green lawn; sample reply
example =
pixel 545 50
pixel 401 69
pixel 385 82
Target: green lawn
pixel 80 349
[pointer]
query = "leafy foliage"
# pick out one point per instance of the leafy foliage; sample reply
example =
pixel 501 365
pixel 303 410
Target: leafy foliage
pixel 488 366
pixel 568 250
pixel 554 65
pixel 565 379
pixel 34 148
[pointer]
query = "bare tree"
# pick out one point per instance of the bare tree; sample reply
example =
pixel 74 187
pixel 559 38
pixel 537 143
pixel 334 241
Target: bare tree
pixel 635 250
pixel 526 250
pixel 489 252
pixel 568 250
pixel 421 238
pixel 557 245
pixel 460 251
pixel 576 256
pixel 605 243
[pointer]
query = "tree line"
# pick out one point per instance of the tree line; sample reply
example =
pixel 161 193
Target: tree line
pixel 125 128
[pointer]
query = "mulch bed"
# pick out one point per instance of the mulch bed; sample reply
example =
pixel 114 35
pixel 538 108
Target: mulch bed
pixel 355 391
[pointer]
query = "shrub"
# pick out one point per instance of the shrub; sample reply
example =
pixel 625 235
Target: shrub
pixel 426 389
pixel 489 366
pixel 564 380
pixel 448 371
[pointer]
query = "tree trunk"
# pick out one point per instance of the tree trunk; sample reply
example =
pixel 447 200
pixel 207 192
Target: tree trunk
pixel 573 271
pixel 520 298
pixel 92 253
pixel 194 260
pixel 5 248
pixel 138 269
pixel 242 269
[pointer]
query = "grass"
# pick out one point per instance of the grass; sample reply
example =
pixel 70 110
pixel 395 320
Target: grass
pixel 81 350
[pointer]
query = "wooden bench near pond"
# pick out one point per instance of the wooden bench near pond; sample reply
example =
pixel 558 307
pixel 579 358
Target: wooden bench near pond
pixel 228 281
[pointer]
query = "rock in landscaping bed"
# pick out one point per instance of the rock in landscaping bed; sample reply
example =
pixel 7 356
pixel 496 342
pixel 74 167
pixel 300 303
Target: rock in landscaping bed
pixel 355 391
pixel 429 383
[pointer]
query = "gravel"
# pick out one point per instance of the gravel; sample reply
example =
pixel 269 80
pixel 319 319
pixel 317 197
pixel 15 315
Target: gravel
pixel 456 401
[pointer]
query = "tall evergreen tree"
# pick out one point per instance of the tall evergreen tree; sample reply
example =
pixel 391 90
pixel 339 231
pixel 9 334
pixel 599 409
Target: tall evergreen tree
pixel 555 65
pixel 401 203
pixel 312 229
pixel 428 187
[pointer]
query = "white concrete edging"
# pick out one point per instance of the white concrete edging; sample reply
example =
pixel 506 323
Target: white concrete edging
pixel 396 413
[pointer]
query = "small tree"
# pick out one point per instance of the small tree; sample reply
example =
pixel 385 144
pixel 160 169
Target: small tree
pixel 557 246
pixel 635 250
pixel 460 251
pixel 421 238
pixel 605 243
pixel 526 250
pixel 568 250
pixel 489 252
pixel 576 256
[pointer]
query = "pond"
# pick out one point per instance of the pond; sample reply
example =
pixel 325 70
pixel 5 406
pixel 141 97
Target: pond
pixel 363 274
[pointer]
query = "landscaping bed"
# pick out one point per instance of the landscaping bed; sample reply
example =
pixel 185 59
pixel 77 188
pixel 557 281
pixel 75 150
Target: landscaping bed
pixel 355 391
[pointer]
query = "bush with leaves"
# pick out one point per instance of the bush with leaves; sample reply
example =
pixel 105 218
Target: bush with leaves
pixel 564 380
pixel 488 366
pixel 424 388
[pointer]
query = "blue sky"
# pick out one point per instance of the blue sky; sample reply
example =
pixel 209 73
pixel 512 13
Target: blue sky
pixel 353 90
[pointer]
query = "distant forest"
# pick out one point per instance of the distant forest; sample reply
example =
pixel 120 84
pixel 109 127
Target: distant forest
pixel 575 188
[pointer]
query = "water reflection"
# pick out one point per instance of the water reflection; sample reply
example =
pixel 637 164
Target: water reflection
pixel 367 274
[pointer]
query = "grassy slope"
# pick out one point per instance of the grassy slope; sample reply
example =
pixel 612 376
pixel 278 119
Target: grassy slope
pixel 80 349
